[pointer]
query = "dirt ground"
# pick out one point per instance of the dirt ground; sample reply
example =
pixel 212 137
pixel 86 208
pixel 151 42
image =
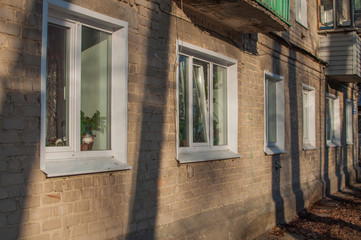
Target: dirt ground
pixel 336 217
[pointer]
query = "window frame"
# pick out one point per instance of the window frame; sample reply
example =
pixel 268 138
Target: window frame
pixel 352 12
pixel 301 15
pixel 349 121
pixel 335 121
pixel 63 161
pixel 310 142
pixel 279 146
pixel 202 151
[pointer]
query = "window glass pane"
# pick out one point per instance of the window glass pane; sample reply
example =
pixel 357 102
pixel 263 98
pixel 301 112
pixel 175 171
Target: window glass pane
pixel 328 120
pixel 183 103
pixel 298 10
pixel 343 15
pixel 272 111
pixel 219 105
pixel 357 5
pixel 349 121
pixel 95 89
pixel 332 115
pixel 200 101
pixel 357 15
pixel 305 115
pixel 57 91
pixel 326 13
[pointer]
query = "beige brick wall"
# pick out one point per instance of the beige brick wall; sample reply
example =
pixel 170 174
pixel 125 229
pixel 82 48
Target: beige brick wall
pixel 236 198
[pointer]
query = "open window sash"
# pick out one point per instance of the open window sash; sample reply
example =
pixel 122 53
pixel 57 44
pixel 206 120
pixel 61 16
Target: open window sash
pixel 199 111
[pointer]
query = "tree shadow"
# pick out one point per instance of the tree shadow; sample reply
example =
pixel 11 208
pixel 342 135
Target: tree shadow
pixel 19 116
pixel 276 191
pixel 294 126
pixel 143 210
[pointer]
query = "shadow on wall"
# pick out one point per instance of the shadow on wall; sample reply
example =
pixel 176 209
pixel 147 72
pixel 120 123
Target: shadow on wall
pixel 143 209
pixel 276 161
pixel 244 41
pixel 337 156
pixel 293 120
pixel 20 41
pixel 295 126
pixel 343 166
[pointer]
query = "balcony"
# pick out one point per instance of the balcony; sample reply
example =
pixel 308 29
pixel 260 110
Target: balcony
pixel 342 52
pixel 242 16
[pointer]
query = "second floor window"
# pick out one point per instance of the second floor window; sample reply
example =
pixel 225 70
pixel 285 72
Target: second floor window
pixel 334 13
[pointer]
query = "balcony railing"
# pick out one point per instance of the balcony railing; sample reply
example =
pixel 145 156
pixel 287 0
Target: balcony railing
pixel 280 8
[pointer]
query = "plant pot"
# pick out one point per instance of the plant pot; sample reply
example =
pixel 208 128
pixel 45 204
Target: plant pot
pixel 87 141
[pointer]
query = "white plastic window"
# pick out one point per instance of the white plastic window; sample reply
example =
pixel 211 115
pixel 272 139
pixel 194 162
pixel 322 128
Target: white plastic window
pixel 83 130
pixel 349 122
pixel 274 140
pixel 309 128
pixel 332 118
pixel 207 105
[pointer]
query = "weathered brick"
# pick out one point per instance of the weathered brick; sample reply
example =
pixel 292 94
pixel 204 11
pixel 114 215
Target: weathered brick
pixel 31 33
pixel 63 210
pixel 9 28
pixel 89 217
pixel 14 123
pixel 31 110
pixel 51 224
pixel 9 55
pixel 7 205
pixel 7 13
pixel 72 220
pixel 30 136
pixel 71 196
pixel 16 3
pixel 41 213
pixel 79 230
pixel 40 237
pixel 9 137
pixel 30 229
pixel 12 179
pixel 13 150
pixel 82 206
pixel 30 202
pixel 16 43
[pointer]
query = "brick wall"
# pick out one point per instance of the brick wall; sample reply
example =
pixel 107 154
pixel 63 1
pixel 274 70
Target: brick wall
pixel 159 198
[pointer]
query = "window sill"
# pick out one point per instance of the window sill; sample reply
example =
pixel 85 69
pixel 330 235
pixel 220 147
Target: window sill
pixel 309 147
pixel 349 143
pixel 190 157
pixel 273 150
pixel 331 145
pixel 67 167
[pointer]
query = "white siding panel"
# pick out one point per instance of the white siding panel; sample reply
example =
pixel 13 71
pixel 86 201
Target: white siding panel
pixel 342 51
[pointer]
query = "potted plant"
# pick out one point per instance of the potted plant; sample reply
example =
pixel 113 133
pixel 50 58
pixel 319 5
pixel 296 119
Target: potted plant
pixel 88 125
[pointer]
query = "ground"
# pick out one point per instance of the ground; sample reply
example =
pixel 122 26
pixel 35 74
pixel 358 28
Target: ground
pixel 338 216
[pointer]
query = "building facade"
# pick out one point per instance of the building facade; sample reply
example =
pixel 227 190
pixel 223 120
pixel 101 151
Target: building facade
pixel 141 119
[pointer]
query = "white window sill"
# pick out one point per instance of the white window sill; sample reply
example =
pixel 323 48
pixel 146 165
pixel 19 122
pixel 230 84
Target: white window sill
pixel 349 143
pixel 273 150
pixel 189 157
pixel 332 144
pixel 66 167
pixel 309 147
